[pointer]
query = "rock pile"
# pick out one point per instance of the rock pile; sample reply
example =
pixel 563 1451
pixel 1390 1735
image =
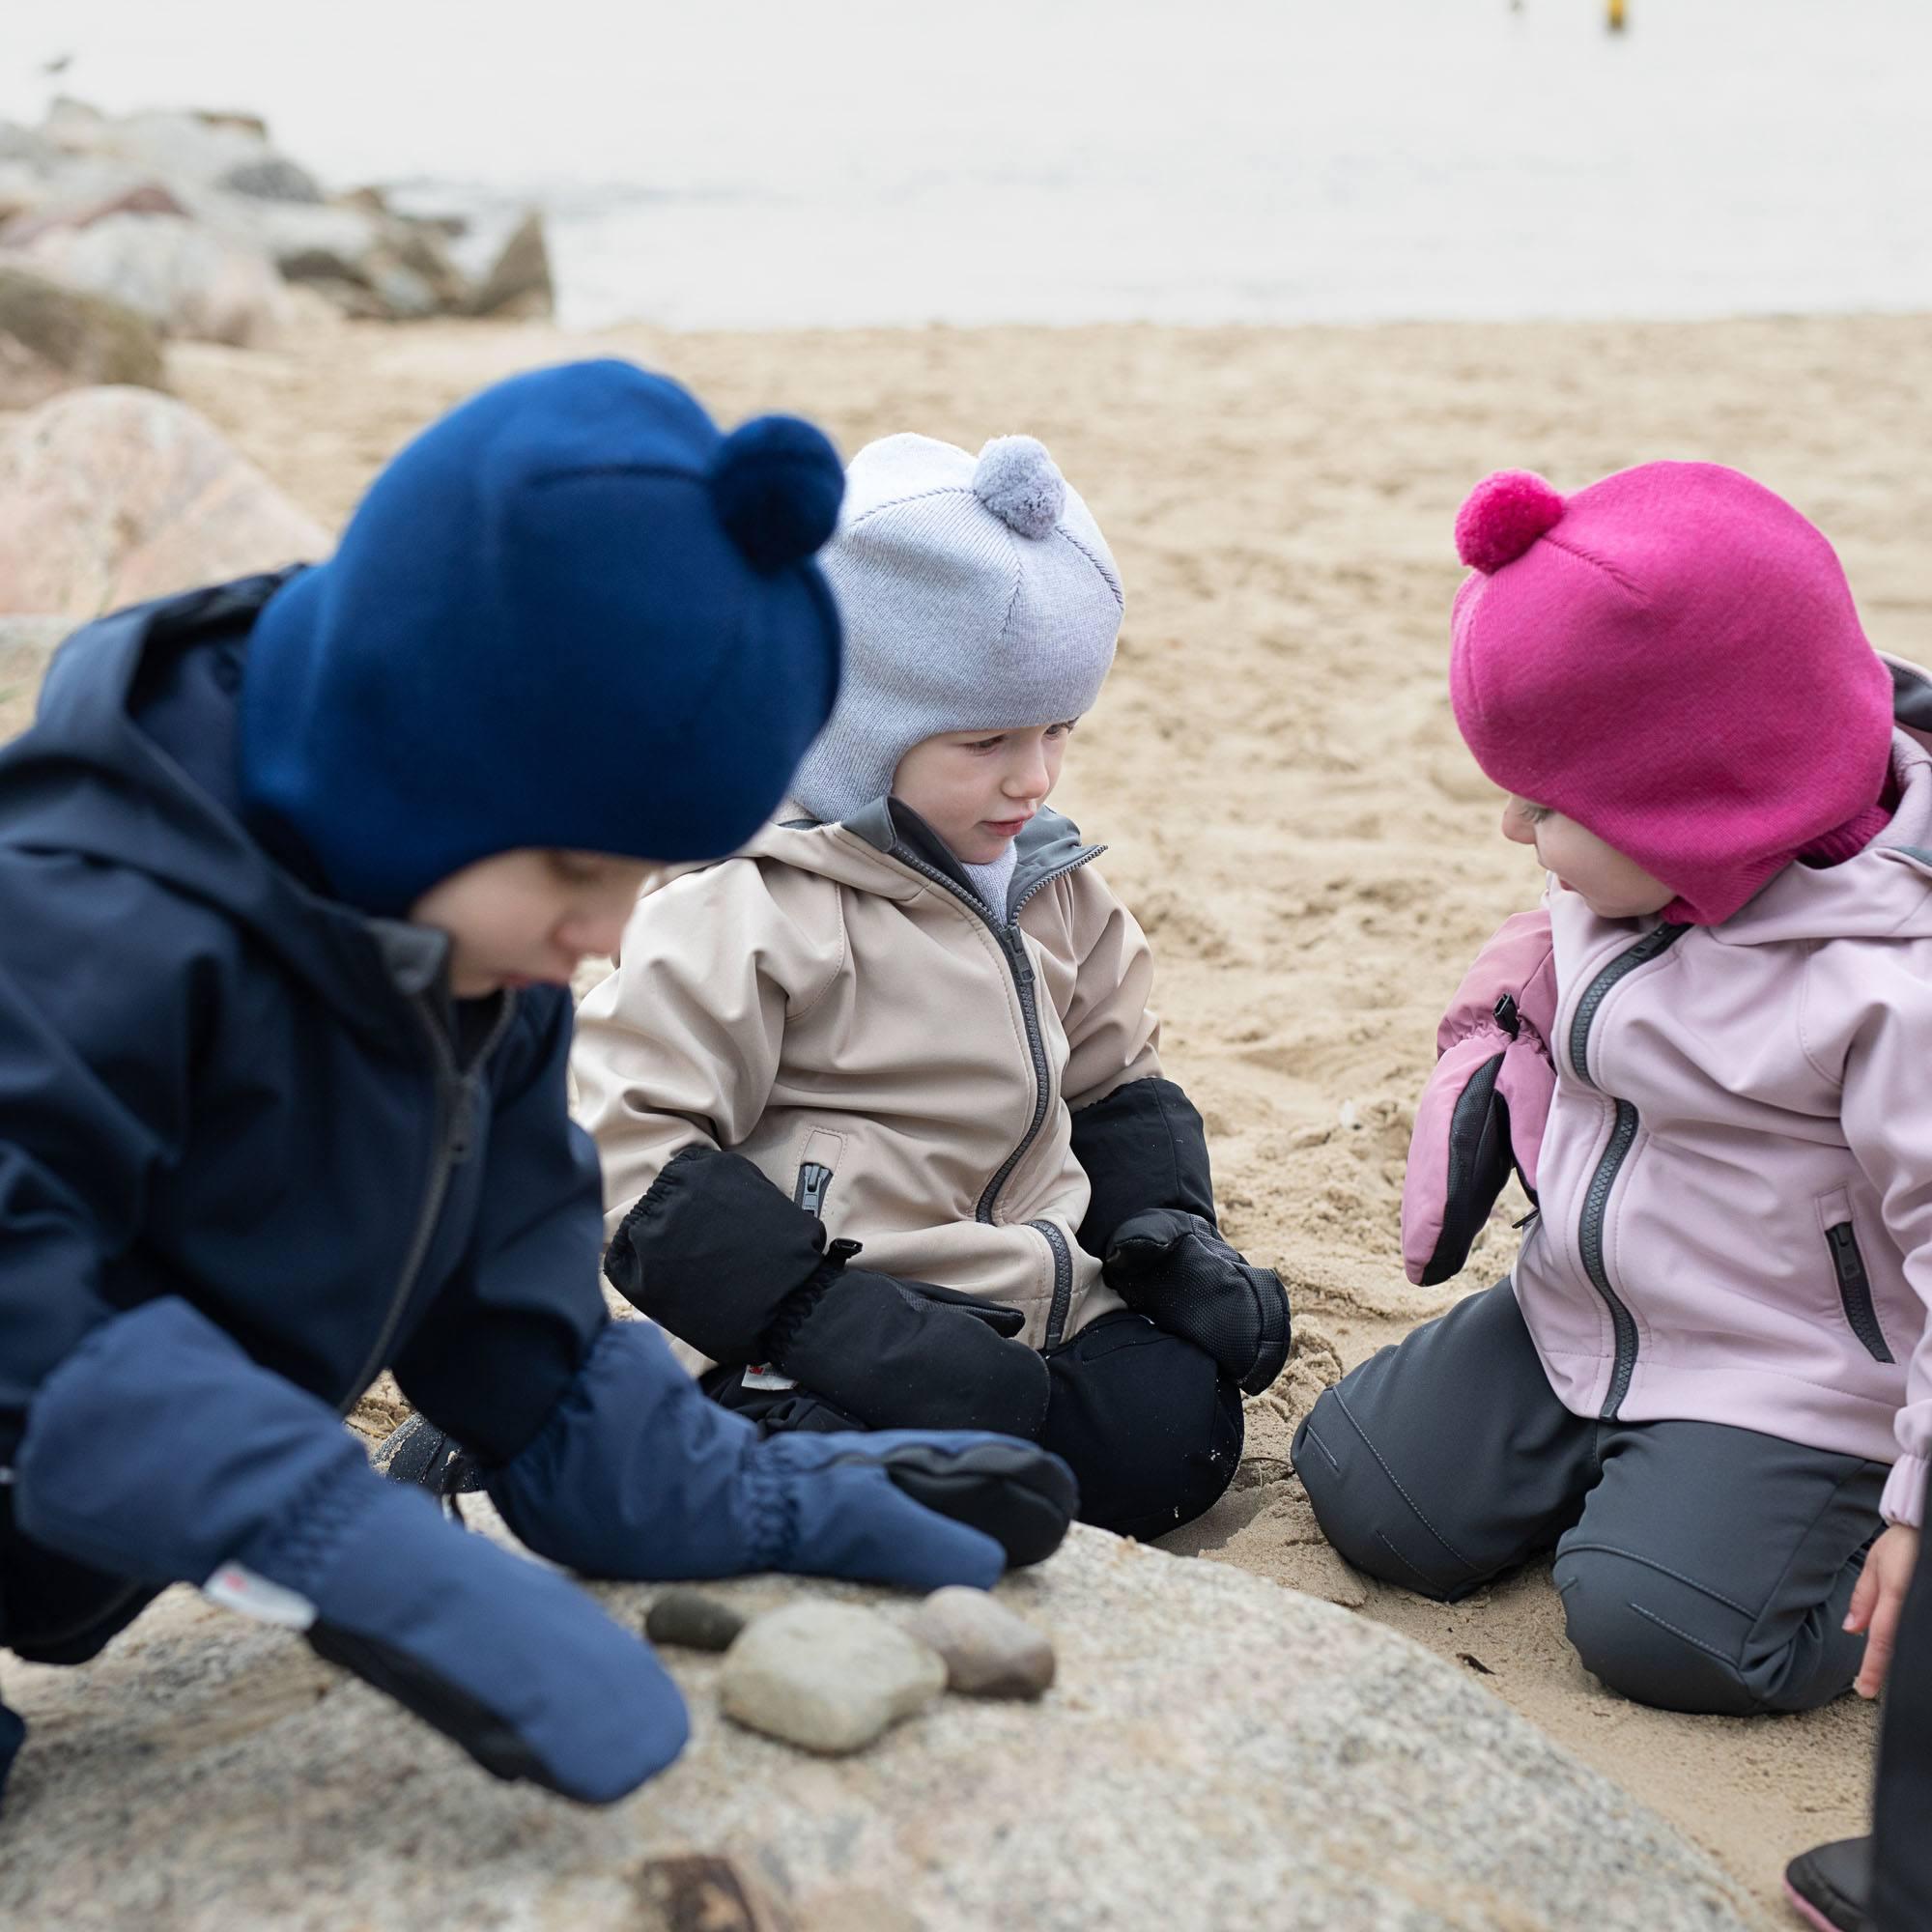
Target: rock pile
pixel 198 225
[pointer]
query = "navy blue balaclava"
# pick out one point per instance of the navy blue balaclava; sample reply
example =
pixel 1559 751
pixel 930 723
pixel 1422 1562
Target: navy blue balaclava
pixel 570 614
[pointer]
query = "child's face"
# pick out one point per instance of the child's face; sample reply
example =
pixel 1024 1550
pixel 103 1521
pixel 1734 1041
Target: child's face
pixel 977 789
pixel 1610 885
pixel 525 918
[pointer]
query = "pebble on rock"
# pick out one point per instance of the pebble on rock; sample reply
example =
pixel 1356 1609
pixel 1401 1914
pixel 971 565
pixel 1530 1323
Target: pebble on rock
pixel 690 1618
pixel 829 1677
pixel 990 1652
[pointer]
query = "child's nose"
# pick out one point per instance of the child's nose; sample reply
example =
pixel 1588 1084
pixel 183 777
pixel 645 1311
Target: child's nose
pixel 1028 778
pixel 1516 827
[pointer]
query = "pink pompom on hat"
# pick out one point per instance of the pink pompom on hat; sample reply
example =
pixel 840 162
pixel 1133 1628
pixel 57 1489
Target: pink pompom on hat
pixel 1672 659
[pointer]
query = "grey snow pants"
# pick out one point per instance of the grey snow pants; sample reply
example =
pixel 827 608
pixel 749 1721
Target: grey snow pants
pixel 1701 1567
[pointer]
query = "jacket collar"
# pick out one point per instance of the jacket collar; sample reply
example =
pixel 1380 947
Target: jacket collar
pixel 1048 846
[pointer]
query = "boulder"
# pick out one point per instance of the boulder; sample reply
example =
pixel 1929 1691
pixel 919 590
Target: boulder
pixel 111 495
pixel 63 212
pixel 26 643
pixel 518 282
pixel 368 261
pixel 270 177
pixel 1218 1752
pixel 53 337
pixel 178 274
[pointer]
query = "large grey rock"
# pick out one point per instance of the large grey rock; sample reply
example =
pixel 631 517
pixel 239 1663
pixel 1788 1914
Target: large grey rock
pixel 828 1677
pixel 111 495
pixel 1218 1753
pixel 54 337
pixel 181 276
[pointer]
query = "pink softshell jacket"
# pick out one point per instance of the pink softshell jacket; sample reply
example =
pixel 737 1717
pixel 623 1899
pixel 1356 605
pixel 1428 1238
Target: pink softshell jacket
pixel 1727 1130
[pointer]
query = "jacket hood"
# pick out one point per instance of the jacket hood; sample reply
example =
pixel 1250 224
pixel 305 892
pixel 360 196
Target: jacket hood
pixel 87 778
pixel 1886 890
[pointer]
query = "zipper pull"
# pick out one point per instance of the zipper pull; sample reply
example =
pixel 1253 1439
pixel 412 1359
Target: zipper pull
pixel 1016 947
pixel 1507 1016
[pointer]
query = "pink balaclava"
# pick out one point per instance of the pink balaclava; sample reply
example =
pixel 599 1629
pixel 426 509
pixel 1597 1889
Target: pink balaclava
pixel 1672 658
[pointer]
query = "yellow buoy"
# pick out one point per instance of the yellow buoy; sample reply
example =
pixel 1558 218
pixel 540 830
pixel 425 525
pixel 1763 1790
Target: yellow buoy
pixel 1616 16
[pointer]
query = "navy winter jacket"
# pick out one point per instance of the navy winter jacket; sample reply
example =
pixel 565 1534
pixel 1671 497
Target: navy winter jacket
pixel 218 1084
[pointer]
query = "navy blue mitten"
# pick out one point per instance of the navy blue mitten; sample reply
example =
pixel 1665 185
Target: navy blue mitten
pixel 159 1450
pixel 637 1473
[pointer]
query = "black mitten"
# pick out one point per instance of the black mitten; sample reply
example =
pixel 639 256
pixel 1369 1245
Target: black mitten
pixel 722 1259
pixel 1175 1269
pixel 904 1354
pixel 711 1252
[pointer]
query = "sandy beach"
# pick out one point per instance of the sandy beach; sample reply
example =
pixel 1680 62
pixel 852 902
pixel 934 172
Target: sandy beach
pixel 1274 767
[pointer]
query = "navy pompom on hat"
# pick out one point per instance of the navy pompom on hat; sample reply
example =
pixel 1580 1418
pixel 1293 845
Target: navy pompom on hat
pixel 570 614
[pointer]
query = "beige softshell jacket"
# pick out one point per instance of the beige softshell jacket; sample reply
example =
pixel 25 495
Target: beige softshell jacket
pixel 836 1005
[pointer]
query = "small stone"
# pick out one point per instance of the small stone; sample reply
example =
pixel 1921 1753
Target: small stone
pixel 829 1677
pixel 690 1618
pixel 988 1651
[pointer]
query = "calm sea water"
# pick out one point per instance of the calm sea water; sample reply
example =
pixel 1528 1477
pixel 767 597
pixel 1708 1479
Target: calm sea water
pixel 757 162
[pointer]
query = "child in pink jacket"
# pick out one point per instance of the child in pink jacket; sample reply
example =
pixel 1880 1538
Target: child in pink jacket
pixel 1707 1381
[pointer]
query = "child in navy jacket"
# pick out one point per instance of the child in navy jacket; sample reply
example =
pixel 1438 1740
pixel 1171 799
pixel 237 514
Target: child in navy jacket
pixel 293 875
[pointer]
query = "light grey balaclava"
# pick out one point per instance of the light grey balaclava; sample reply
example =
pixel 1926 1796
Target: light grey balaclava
pixel 976 594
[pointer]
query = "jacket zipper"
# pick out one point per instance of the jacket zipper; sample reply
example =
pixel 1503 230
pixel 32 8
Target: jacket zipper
pixel 456 1101
pixel 1854 1291
pixel 1623 1135
pixel 1014 945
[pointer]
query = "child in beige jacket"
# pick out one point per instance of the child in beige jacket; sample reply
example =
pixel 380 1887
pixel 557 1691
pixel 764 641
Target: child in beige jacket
pixel 910 1019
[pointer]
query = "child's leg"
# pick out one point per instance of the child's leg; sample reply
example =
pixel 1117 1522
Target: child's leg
pixel 1447 1459
pixel 1149 1426
pixel 1713 1567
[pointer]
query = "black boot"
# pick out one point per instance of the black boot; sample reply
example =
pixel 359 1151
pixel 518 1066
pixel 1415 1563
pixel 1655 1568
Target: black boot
pixel 1829 1887
pixel 420 1454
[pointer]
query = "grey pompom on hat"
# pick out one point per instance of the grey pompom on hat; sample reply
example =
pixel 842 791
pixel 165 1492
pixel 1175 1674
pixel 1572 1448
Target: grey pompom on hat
pixel 976 593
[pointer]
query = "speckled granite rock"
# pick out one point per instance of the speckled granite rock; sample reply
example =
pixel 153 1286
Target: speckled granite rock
pixel 111 495
pixel 1217 1753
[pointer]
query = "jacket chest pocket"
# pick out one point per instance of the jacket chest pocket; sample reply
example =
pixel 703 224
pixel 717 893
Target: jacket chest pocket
pixel 1848 1269
pixel 817 1165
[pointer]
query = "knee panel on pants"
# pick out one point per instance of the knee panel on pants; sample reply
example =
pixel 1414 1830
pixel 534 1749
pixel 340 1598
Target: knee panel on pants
pixel 1655 1638
pixel 1362 1509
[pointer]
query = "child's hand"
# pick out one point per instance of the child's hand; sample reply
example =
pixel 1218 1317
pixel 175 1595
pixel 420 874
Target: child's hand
pixel 1879 1599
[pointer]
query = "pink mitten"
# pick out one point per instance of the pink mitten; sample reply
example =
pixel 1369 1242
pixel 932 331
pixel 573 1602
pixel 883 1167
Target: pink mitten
pixel 1485 1105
